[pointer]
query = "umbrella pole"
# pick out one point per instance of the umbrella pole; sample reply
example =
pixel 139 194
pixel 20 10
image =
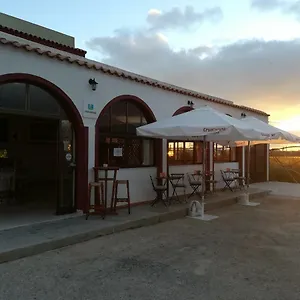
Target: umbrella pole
pixel 203 175
pixel 244 198
pixel 248 165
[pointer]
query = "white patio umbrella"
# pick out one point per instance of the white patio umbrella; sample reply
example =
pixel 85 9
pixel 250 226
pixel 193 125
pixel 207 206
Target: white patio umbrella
pixel 272 135
pixel 204 124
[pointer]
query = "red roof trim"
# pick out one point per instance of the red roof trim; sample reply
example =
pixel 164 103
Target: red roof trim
pixel 43 41
pixel 126 75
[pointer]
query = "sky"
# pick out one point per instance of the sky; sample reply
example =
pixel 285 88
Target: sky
pixel 246 51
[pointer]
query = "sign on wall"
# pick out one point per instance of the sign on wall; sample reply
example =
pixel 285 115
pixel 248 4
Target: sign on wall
pixel 90 109
pixel 118 152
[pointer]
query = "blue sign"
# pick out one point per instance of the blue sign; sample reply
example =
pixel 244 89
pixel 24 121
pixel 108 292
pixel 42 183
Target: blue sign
pixel 90 106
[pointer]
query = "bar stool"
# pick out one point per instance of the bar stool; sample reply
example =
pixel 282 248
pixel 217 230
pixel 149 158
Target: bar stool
pixel 119 199
pixel 98 209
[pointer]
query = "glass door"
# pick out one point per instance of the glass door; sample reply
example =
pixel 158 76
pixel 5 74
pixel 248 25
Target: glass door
pixel 66 169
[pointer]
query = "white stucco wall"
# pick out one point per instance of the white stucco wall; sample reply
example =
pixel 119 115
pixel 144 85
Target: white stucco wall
pixel 73 80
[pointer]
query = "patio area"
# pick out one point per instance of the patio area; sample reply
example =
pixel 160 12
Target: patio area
pixel 46 235
pixel 248 253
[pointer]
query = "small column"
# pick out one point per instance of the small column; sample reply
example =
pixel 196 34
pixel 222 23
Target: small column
pixel 268 162
pixel 211 161
pixel 164 156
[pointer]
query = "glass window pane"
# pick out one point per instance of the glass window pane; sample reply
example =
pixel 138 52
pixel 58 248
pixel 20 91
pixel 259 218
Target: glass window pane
pixel 188 154
pixel 41 101
pixel 13 96
pixel 148 156
pixel 134 117
pixel 133 152
pixel 221 153
pixel 198 152
pixel 116 160
pixel 118 117
pixel 43 130
pixel 105 121
pixel 233 154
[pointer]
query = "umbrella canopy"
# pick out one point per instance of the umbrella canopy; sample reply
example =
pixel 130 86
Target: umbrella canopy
pixel 204 123
pixel 272 134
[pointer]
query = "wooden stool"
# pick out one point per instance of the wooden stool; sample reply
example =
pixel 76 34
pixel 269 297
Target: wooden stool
pixel 100 208
pixel 118 199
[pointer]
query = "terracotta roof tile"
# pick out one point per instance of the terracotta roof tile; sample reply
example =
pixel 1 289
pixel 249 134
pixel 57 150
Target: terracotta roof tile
pixel 124 74
pixel 43 41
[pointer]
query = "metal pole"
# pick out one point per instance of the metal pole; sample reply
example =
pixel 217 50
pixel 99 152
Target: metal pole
pixel 248 165
pixel 203 175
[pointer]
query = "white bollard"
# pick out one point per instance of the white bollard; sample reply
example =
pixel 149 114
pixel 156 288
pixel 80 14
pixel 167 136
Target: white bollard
pixel 243 199
pixel 196 211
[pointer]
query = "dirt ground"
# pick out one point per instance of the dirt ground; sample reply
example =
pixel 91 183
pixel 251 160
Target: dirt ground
pixel 248 253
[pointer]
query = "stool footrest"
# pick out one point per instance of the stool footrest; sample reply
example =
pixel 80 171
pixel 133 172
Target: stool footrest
pixel 122 199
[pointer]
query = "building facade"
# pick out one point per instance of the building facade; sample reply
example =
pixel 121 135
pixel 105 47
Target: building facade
pixel 92 126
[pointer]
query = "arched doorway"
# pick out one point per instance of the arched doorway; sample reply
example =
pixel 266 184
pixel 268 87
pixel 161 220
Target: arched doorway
pixel 43 145
pixel 116 128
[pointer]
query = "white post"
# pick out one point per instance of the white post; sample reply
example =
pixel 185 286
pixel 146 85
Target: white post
pixel 203 175
pixel 248 164
pixel 268 162
pixel 243 161
pixel 211 161
pixel 164 155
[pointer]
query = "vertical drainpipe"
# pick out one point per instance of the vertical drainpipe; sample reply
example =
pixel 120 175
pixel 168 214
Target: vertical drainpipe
pixel 243 161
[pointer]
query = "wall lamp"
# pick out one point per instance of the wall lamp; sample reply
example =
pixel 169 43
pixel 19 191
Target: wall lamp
pixel 190 103
pixel 243 115
pixel 93 83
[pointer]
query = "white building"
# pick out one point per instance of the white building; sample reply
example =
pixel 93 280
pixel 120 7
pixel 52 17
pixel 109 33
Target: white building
pixel 51 120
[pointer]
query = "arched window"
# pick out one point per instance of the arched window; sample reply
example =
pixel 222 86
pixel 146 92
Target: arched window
pixel 27 98
pixel 118 143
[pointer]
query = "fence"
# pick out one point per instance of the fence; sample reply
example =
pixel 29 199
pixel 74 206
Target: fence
pixel 285 164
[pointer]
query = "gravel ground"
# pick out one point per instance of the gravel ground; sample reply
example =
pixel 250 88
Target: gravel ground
pixel 248 253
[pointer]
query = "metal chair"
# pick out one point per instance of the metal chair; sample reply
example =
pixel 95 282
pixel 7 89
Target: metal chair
pixel 177 182
pixel 161 191
pixel 194 184
pixel 229 178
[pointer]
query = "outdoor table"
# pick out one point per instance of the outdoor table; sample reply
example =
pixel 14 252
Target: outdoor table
pixel 106 179
pixel 209 179
pixel 240 180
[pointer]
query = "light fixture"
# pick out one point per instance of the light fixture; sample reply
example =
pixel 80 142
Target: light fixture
pixel 243 115
pixel 93 83
pixel 190 103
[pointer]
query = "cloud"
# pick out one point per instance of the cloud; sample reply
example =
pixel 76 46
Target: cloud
pixel 184 19
pixel 267 5
pixel 285 7
pixel 257 73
